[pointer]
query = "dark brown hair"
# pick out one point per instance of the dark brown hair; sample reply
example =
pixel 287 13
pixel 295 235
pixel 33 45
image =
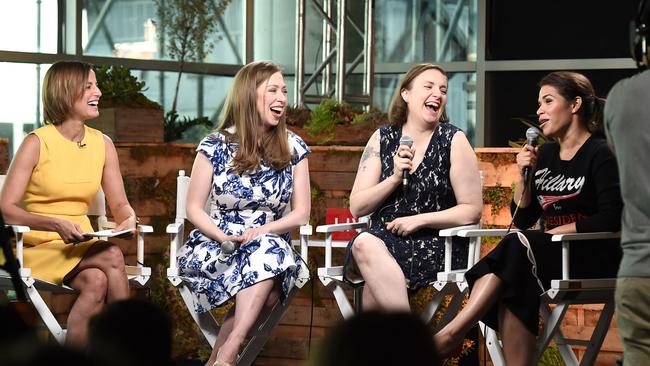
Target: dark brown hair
pixel 63 84
pixel 571 85
pixel 398 110
pixel 241 112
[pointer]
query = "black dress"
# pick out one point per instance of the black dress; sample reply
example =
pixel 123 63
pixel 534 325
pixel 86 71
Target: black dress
pixel 584 190
pixel 420 255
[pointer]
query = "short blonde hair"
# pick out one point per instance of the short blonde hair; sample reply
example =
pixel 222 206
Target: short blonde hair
pixel 63 84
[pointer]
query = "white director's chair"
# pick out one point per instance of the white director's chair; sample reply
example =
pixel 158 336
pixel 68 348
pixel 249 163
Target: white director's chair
pixel 205 321
pixel 562 293
pixel 138 274
pixel 447 284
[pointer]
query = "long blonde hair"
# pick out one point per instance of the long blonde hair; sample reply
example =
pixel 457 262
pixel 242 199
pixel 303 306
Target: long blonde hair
pixel 399 110
pixel 242 113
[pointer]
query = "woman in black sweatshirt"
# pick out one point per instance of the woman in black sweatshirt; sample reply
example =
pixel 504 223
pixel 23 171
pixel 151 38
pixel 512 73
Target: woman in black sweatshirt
pixel 574 188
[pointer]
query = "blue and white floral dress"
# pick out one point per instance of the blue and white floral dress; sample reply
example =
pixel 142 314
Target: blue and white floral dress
pixel 236 203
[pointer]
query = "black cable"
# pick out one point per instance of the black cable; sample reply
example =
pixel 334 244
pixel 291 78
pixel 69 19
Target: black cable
pixel 311 316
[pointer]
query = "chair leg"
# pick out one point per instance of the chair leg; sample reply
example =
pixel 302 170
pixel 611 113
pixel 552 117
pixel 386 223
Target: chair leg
pixel 46 314
pixel 262 333
pixel 493 345
pixel 598 336
pixel 206 322
pixel 552 330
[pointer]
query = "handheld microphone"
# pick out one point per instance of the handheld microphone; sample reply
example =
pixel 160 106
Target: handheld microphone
pixel 227 248
pixel 80 145
pixel 531 139
pixel 408 141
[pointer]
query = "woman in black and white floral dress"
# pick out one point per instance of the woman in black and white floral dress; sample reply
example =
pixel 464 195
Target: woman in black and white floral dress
pixel 402 247
pixel 249 170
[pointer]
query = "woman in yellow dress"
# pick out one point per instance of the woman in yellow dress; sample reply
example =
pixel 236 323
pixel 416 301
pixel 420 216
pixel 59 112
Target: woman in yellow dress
pixel 52 179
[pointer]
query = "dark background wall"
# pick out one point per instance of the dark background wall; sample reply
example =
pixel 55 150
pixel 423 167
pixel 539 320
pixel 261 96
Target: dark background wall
pixel 547 30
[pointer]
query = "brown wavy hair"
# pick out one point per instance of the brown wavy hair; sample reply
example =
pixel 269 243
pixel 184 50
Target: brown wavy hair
pixel 571 84
pixel 241 112
pixel 63 85
pixel 398 110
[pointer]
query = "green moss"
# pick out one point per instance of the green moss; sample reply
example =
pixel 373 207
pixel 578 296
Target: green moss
pixel 498 196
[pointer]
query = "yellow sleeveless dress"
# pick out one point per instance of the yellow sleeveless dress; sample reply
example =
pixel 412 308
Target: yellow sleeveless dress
pixel 63 183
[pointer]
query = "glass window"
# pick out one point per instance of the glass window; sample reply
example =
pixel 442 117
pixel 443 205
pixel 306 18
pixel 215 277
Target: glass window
pixel 504 108
pixel 528 30
pixel 199 95
pixel 30 26
pixel 414 31
pixel 461 98
pixel 24 98
pixel 130 29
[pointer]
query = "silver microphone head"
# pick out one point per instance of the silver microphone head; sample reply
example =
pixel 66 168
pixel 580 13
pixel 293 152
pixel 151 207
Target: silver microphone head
pixel 406 140
pixel 228 247
pixel 531 135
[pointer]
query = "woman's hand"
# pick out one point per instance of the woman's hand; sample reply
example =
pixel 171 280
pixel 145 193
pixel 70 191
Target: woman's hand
pixel 252 233
pixel 402 160
pixel 527 157
pixel 130 223
pixel 69 232
pixel 407 225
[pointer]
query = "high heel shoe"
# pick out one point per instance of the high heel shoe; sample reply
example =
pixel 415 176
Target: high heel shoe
pixel 220 363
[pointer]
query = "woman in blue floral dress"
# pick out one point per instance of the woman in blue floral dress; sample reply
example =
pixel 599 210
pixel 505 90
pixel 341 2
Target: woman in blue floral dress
pixel 253 174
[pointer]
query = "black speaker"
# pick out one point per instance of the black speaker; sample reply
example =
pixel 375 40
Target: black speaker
pixel 639 34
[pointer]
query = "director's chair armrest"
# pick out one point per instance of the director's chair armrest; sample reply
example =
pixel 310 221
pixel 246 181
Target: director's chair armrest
pixel 566 239
pixel 19 230
pixel 332 228
pixel 448 234
pixel 305 232
pixel 176 233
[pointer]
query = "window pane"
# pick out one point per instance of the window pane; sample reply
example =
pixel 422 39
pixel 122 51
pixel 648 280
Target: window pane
pixel 130 29
pixel 20 25
pixel 275 32
pixel 504 107
pixel 435 30
pixel 527 30
pixel 461 98
pixel 23 105
pixel 199 95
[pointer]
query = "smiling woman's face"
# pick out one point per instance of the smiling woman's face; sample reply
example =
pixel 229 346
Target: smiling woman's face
pixel 272 100
pixel 85 107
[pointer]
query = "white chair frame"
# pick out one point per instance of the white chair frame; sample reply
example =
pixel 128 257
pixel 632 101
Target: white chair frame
pixel 562 293
pixel 138 274
pixel 206 322
pixel 446 283
pixel 332 276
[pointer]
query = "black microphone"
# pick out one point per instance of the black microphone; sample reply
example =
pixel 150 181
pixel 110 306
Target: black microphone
pixel 531 139
pixel 227 248
pixel 80 145
pixel 408 141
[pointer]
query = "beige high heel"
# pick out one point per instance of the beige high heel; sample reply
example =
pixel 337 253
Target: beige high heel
pixel 220 363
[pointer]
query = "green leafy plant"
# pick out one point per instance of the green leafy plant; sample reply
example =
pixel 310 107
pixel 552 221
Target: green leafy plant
pixel 374 117
pixel 119 87
pixel 327 115
pixel 188 26
pixel 175 126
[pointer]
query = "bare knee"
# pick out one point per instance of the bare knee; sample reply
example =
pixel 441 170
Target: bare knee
pixel 366 247
pixel 114 257
pixel 91 282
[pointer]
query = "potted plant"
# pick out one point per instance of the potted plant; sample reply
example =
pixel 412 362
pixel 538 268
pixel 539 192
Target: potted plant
pixel 126 115
pixel 333 123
